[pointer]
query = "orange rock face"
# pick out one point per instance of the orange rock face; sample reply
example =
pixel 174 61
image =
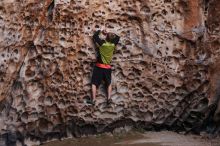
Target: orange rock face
pixel 163 67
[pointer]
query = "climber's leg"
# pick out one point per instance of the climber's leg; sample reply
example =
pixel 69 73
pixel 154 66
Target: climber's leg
pixel 97 76
pixel 109 92
pixel 107 79
pixel 94 92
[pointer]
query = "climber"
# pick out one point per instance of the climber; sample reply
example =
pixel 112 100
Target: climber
pixel 102 69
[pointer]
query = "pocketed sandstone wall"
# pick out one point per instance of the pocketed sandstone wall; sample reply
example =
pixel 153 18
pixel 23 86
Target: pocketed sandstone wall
pixel 160 67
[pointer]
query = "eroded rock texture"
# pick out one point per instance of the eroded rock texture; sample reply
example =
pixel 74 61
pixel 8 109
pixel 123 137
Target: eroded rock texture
pixel 165 67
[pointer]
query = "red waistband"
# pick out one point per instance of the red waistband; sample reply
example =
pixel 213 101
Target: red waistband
pixel 106 66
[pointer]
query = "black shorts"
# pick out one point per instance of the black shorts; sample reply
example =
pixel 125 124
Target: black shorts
pixel 101 74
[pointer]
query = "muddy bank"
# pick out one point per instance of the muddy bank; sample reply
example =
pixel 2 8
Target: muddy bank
pixel 165 138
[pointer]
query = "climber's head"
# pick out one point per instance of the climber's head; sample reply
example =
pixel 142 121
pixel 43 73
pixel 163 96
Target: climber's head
pixel 110 37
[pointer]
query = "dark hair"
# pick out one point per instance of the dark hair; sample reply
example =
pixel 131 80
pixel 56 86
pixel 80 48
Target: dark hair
pixel 110 37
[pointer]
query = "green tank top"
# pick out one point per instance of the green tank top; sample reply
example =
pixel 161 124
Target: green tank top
pixel 106 52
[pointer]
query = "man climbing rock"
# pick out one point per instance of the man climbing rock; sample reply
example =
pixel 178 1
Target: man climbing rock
pixel 102 69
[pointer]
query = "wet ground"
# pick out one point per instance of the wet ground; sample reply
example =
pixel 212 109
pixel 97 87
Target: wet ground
pixel 165 138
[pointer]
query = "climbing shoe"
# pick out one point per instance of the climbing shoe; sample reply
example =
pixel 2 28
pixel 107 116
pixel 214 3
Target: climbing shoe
pixel 109 101
pixel 91 101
